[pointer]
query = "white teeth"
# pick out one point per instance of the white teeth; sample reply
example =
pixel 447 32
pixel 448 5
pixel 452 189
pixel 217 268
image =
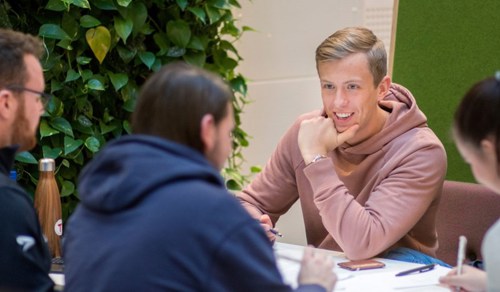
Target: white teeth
pixel 343 115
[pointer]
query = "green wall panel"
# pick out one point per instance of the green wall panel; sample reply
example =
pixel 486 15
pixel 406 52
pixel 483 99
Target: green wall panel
pixel 442 48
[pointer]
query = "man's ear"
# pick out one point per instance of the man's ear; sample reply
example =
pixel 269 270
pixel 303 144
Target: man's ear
pixel 383 87
pixel 207 132
pixel 6 106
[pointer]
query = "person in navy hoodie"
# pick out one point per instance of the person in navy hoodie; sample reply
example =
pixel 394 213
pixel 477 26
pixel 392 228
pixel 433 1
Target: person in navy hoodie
pixel 154 212
pixel 24 255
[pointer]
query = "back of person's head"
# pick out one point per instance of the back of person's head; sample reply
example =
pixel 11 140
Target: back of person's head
pixel 353 40
pixel 477 116
pixel 174 100
pixel 14 46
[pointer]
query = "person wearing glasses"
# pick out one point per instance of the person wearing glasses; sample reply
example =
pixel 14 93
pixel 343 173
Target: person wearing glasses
pixel 24 255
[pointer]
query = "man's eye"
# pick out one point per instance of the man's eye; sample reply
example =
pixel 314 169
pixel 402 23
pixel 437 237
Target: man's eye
pixel 327 86
pixel 352 86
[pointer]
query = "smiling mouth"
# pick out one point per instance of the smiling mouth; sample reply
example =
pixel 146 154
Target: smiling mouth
pixel 343 116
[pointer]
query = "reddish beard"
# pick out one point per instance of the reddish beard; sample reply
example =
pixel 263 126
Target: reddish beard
pixel 22 134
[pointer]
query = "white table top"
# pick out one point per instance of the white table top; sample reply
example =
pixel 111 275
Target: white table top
pixel 384 279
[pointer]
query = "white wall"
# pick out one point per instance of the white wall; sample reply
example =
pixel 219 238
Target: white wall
pixel 279 62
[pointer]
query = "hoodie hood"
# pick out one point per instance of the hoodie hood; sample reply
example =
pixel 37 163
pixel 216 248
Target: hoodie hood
pixel 129 168
pixel 404 116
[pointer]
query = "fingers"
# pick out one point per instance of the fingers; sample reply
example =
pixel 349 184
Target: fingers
pixel 267 225
pixel 319 136
pixel 347 134
pixel 265 219
pixel 317 268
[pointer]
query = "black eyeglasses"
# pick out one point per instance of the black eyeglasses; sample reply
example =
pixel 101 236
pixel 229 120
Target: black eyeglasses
pixel 44 97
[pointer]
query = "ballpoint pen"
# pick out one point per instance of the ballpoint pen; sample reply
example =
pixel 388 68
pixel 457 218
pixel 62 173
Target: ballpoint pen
pixel 462 243
pixel 275 232
pixel 416 270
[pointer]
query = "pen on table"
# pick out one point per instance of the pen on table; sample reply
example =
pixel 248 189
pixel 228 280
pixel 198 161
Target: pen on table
pixel 462 243
pixel 275 232
pixel 416 270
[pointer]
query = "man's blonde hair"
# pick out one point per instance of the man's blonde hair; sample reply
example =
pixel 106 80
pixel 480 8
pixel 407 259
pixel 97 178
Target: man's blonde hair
pixel 353 40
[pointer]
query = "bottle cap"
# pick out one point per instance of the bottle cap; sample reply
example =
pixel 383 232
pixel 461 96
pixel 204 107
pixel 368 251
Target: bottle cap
pixel 46 164
pixel 13 174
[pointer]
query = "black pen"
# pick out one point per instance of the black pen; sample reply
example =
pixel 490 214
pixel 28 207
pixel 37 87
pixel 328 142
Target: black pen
pixel 416 270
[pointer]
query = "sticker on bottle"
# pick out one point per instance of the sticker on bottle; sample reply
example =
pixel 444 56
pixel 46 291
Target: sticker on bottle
pixel 58 227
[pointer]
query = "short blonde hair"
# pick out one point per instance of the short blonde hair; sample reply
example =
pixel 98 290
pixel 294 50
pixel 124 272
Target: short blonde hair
pixel 353 40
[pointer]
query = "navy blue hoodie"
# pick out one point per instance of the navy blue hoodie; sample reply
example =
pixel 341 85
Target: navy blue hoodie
pixel 154 215
pixel 24 255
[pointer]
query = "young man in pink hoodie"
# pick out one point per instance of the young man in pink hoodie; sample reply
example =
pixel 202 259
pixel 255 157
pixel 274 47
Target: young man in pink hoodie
pixel 366 168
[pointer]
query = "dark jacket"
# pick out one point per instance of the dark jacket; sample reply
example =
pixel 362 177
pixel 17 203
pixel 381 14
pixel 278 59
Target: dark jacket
pixel 24 255
pixel 154 215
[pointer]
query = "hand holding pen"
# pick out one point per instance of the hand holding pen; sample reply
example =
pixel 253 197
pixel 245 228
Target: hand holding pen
pixel 267 224
pixel 463 276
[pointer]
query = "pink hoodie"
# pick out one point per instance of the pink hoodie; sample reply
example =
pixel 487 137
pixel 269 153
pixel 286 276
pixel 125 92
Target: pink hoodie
pixel 368 198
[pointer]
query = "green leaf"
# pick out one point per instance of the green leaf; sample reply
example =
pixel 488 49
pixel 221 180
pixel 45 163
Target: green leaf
pixel 221 4
pixel 88 21
pixel 84 121
pixel 255 169
pixel 65 44
pixel 129 105
pixel 62 125
pixel 118 80
pixel 80 3
pixel 230 29
pixel 107 128
pixel 176 52
pixel 123 27
pixel 182 4
pixel 178 32
pixel 51 153
pixel 238 84
pixel 126 54
pixel 55 85
pixel 227 46
pixel 65 162
pixel 124 3
pixel 26 157
pixel 199 13
pixel 99 40
pixel 46 130
pixel 197 43
pixel 95 85
pixel 233 185
pixel 213 14
pixel 71 75
pixel 139 16
pixel 83 60
pixel 196 58
pixel 161 40
pixel 147 58
pixel 104 4
pixel 52 31
pixel 71 144
pixel 127 127
pixel 86 74
pixel 55 5
pixel 92 144
pixel 67 189
pixel 235 3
